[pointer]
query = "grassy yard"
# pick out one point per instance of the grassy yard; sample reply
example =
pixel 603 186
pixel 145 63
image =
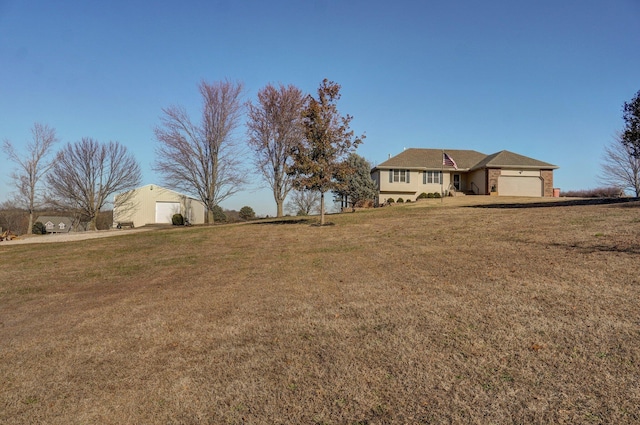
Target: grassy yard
pixel 425 313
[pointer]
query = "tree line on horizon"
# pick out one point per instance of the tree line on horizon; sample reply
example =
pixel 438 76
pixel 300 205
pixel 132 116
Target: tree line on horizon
pixel 299 143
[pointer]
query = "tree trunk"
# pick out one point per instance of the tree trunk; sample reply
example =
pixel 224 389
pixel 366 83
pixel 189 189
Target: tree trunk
pixel 209 216
pixel 30 228
pixel 31 203
pixel 321 208
pixel 279 204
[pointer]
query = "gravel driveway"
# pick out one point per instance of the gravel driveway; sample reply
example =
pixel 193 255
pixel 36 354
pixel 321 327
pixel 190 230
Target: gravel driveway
pixel 70 237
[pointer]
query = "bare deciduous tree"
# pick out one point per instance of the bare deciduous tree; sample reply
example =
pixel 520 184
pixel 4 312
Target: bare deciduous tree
pixel 303 202
pixel 620 168
pixel 31 168
pixel 274 128
pixel 12 217
pixel 203 159
pixel 318 162
pixel 87 173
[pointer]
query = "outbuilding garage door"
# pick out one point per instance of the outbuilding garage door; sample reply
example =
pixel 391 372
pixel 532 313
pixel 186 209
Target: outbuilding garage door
pixel 520 186
pixel 166 210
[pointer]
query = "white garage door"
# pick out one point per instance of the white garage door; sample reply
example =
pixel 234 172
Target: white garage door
pixel 519 186
pixel 166 210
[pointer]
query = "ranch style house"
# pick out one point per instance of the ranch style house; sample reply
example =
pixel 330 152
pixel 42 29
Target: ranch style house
pixel 455 171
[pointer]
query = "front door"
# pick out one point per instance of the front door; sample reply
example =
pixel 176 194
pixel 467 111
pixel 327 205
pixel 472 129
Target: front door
pixel 456 181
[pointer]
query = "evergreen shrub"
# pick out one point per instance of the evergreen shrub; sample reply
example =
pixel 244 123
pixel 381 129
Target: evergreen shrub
pixel 177 220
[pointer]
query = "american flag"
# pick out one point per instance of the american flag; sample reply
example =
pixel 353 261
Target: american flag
pixel 448 161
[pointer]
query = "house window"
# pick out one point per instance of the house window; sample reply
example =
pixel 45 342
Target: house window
pixel 61 226
pixel 431 177
pixel 48 225
pixel 399 176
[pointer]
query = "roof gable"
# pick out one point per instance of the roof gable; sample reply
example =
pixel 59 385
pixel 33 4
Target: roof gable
pixel 506 159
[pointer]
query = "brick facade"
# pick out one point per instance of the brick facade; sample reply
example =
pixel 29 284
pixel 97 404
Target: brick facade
pixel 492 179
pixel 547 178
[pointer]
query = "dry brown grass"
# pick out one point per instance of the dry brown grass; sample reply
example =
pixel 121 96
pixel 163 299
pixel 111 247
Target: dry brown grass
pixel 426 313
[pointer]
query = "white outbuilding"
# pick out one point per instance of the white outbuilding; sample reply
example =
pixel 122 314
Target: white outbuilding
pixel 153 204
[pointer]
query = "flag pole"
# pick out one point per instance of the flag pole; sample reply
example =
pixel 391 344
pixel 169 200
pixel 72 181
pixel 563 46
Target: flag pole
pixel 442 179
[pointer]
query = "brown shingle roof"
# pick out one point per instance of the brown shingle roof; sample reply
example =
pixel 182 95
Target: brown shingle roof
pixel 431 159
pixel 505 159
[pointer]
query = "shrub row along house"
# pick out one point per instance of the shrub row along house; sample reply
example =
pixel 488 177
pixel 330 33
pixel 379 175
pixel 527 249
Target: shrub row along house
pixel 504 173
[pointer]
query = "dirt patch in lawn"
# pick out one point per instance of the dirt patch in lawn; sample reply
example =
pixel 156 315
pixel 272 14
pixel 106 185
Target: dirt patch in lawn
pixel 426 313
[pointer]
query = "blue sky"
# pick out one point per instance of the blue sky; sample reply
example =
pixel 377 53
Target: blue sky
pixel 545 79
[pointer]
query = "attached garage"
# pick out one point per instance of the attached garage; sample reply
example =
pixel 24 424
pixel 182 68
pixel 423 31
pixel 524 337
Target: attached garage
pixel 165 211
pixel 520 186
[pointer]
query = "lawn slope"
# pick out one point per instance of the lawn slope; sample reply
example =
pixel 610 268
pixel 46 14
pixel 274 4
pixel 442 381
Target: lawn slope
pixel 426 313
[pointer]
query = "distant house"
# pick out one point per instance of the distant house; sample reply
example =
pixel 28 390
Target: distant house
pixel 504 173
pixel 55 224
pixel 153 204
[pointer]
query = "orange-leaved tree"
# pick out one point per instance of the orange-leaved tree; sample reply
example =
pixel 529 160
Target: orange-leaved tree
pixel 319 159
